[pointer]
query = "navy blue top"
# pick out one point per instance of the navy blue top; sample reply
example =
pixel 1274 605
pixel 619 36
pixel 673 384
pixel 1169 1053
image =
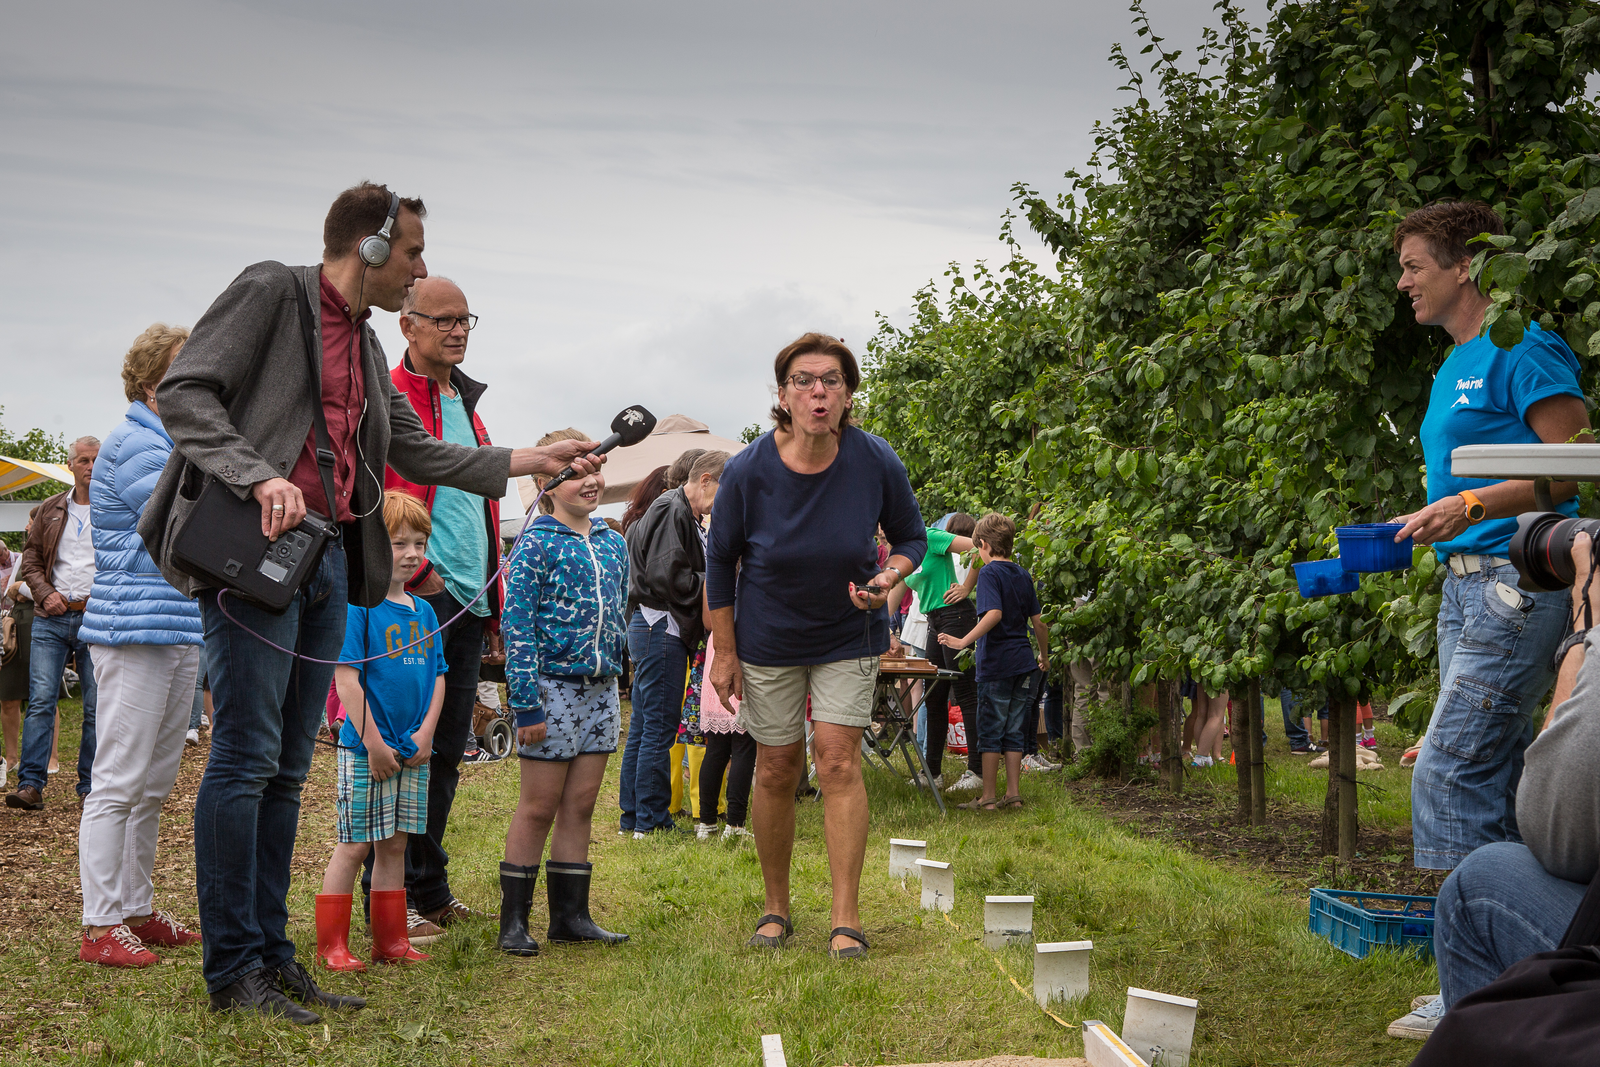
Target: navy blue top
pixel 784 548
pixel 1004 652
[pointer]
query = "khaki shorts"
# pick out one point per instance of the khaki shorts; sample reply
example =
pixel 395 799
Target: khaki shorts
pixel 774 707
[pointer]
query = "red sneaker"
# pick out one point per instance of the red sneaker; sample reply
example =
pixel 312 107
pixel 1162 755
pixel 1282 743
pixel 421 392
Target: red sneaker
pixel 119 947
pixel 162 929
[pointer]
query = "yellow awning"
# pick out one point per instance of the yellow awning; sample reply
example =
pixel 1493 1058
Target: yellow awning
pixel 20 473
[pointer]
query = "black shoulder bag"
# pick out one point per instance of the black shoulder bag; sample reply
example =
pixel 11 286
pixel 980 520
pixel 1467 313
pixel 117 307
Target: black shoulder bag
pixel 1543 1010
pixel 221 542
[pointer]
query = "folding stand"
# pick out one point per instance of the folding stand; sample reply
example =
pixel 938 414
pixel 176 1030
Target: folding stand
pixel 894 717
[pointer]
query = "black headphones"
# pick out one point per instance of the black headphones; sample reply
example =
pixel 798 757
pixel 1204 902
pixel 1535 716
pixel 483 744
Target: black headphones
pixel 374 250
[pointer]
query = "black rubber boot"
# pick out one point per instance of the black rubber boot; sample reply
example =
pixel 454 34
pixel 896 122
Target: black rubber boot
pixel 568 886
pixel 516 898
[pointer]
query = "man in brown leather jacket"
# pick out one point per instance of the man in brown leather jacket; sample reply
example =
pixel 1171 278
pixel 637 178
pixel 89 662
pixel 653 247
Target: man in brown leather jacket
pixel 58 567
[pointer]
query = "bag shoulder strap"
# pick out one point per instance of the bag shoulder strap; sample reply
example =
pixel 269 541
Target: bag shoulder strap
pixel 1584 930
pixel 318 419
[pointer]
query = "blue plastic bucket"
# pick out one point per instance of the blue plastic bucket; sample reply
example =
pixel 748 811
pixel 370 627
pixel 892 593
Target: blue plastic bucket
pixel 1325 577
pixel 1370 547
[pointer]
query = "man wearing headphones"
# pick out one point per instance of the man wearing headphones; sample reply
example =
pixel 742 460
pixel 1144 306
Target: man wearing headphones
pixel 238 403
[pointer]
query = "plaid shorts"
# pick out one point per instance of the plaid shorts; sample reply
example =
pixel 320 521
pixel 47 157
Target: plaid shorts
pixel 376 811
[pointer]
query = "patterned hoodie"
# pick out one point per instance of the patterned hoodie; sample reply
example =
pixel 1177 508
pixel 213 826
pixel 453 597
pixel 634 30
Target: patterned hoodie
pixel 564 614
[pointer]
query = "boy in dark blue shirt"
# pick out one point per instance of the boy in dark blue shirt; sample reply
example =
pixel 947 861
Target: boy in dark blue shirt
pixel 1007 604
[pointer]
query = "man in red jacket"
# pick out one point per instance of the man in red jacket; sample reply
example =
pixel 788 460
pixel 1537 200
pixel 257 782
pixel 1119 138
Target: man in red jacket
pixel 463 552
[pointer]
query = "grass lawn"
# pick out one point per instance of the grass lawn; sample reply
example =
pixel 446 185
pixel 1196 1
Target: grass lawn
pixel 686 991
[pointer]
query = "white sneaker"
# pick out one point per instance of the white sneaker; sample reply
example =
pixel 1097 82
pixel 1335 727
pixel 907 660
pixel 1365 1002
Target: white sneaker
pixel 205 721
pixel 921 780
pixel 736 832
pixel 966 783
pixel 1419 1023
pixel 703 831
pixel 191 738
pixel 4 770
pixel 639 835
pixel 1038 763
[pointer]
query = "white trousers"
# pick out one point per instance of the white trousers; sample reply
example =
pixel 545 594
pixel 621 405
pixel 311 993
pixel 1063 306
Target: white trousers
pixel 146 693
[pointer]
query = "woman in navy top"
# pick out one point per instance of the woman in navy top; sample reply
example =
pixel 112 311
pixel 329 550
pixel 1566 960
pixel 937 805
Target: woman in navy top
pixel 797 599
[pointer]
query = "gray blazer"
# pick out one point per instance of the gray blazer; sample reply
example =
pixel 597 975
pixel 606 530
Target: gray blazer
pixel 238 404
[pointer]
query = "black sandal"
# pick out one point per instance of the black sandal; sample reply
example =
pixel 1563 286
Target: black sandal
pixel 853 952
pixel 760 940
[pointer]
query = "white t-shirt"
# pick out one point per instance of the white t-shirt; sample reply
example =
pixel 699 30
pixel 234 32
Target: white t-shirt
pixel 651 615
pixel 73 575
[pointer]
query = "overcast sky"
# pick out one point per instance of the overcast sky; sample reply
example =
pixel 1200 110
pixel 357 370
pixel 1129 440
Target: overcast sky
pixel 642 201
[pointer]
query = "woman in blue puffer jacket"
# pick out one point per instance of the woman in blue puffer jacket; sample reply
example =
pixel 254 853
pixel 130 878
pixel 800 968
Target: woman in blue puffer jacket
pixel 566 588
pixel 146 640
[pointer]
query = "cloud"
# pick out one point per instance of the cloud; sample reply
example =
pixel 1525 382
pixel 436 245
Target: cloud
pixel 638 198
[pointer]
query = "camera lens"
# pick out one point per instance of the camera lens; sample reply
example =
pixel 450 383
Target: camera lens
pixel 1541 549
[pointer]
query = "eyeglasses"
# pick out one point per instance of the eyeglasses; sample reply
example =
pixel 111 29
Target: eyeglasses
pixel 446 323
pixel 803 382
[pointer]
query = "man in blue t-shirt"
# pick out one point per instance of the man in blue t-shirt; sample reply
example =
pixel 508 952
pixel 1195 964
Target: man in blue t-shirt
pixel 1495 640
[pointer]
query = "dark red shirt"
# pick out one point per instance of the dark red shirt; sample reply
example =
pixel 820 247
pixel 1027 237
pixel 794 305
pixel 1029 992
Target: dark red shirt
pixel 343 394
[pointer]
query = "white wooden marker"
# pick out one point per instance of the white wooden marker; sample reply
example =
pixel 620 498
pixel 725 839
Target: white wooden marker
pixel 1061 971
pixel 1159 1023
pixel 772 1051
pixel 1103 1048
pixel 903 854
pixel 1007 919
pixel 938 885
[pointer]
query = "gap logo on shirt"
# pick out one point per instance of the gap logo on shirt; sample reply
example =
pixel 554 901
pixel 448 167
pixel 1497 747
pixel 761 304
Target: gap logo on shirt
pixel 415 653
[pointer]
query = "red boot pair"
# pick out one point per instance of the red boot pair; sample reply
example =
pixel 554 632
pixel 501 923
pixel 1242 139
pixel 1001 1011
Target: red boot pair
pixel 389 941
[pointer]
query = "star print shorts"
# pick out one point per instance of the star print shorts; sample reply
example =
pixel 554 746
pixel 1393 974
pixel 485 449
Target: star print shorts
pixel 581 718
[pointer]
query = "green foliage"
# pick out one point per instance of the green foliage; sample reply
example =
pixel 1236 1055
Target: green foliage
pixel 1223 370
pixel 1115 739
pixel 751 432
pixel 35 445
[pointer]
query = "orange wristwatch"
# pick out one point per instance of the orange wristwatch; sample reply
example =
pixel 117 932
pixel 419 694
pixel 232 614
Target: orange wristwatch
pixel 1475 509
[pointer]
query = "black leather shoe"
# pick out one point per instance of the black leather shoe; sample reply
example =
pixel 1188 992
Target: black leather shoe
pixel 298 984
pixel 258 993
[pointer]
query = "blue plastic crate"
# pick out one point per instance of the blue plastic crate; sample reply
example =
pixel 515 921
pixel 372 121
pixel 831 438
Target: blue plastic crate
pixel 1356 926
pixel 1370 548
pixel 1325 577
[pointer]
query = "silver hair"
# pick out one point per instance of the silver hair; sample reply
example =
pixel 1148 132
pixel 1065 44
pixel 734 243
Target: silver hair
pixel 409 305
pixel 72 449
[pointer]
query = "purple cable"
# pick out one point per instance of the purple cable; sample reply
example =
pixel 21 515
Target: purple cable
pixel 516 546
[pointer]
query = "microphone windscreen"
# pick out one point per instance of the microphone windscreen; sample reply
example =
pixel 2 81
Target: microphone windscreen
pixel 633 425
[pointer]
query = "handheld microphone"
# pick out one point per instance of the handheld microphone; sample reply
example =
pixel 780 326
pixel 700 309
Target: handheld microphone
pixel 631 426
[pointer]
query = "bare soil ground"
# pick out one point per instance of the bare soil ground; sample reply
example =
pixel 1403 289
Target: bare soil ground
pixel 1207 824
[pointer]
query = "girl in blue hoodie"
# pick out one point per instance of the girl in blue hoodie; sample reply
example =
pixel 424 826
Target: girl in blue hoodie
pixel 566 591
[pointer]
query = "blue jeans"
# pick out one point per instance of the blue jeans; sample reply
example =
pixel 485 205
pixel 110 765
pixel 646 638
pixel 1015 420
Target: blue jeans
pixel 1053 723
pixel 660 668
pixel 269 707
pixel 1293 728
pixel 55 637
pixel 1494 668
pixel 1499 906
pixel 1003 710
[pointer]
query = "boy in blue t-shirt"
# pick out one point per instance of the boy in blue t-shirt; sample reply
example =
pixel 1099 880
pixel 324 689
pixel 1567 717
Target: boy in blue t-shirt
pixel 391 681
pixel 1007 605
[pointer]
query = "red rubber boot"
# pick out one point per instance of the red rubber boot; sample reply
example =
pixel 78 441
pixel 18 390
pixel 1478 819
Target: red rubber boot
pixel 333 933
pixel 389 941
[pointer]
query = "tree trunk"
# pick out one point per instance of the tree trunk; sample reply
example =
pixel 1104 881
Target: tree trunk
pixel 1347 780
pixel 1241 771
pixel 1329 837
pixel 1170 706
pixel 1258 763
pixel 1124 768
